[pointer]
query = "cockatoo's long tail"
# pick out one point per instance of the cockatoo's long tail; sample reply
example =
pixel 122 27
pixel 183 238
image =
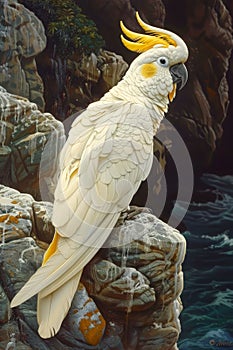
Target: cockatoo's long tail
pixel 52 309
pixel 56 281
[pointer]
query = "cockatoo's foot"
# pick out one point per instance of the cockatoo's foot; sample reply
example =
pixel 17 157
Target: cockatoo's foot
pixel 130 213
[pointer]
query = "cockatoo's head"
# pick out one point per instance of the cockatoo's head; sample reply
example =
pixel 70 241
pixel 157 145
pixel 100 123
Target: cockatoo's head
pixel 159 70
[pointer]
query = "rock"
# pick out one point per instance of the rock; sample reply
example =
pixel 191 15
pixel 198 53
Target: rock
pixel 43 226
pixel 125 289
pixel 15 214
pixel 89 78
pixel 19 260
pixel 199 110
pixel 84 321
pixel 24 144
pixel 5 153
pixel 139 275
pixel 132 287
pixel 4 307
pixel 112 68
pixel 108 14
pixel 10 337
pixel 21 216
pixel 22 38
pixel 158 337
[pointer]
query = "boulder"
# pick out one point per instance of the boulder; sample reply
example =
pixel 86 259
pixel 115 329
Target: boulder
pixel 129 296
pixel 25 133
pixel 22 39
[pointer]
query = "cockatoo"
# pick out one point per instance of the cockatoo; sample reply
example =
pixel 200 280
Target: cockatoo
pixel 108 153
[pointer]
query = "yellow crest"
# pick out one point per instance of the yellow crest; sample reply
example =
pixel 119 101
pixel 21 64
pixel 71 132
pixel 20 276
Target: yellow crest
pixel 143 42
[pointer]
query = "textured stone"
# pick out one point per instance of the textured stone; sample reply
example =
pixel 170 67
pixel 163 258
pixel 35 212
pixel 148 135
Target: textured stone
pixel 25 138
pixel 85 324
pixel 199 110
pixel 125 289
pixel 15 214
pixel 107 15
pixel 4 307
pixel 10 338
pixel 84 321
pixel 90 77
pixel 22 38
pixel 21 216
pixel 42 212
pixel 140 275
pixel 157 337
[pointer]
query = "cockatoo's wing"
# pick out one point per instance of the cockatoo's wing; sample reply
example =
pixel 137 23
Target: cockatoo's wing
pixel 95 185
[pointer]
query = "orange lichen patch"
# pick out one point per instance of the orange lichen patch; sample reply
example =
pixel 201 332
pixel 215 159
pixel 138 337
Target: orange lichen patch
pixel 148 70
pixel 9 218
pixel 14 202
pixel 51 249
pixel 92 326
pixel 172 94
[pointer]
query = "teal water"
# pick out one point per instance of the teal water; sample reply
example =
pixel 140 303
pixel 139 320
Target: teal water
pixel 207 318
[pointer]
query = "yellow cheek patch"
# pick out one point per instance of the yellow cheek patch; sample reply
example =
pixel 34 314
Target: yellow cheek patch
pixel 148 70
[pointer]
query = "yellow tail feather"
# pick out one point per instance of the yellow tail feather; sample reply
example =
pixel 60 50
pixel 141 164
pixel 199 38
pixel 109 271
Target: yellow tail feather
pixel 51 249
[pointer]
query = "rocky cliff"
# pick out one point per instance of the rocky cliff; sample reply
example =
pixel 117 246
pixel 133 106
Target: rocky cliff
pixel 25 131
pixel 129 297
pixel 22 37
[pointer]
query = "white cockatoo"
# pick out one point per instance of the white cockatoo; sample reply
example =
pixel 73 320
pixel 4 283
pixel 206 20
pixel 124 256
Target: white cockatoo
pixel 107 155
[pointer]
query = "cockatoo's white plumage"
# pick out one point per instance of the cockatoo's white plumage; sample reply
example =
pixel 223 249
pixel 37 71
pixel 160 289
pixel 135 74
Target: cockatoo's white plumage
pixel 108 153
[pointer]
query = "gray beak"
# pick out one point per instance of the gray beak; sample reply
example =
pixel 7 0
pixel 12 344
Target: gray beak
pixel 179 75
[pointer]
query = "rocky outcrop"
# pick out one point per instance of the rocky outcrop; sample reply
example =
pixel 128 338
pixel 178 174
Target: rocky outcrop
pixel 24 133
pixel 138 282
pixel 22 37
pixel 129 297
pixel 73 83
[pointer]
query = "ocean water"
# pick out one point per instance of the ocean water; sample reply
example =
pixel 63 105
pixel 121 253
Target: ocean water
pixel 207 317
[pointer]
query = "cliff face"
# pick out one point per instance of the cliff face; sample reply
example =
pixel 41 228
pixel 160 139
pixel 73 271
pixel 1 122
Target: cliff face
pixel 22 37
pixel 25 131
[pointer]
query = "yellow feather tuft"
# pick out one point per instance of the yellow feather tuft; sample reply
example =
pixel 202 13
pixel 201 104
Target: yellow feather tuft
pixel 152 30
pixel 51 249
pixel 143 42
pixel 132 46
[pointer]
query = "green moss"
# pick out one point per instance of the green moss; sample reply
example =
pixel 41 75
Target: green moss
pixel 66 26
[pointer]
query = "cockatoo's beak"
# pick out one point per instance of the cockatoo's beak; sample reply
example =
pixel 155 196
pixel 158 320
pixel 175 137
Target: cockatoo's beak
pixel 179 75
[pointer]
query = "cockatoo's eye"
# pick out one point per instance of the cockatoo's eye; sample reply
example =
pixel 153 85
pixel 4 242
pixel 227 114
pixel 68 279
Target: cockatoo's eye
pixel 163 61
